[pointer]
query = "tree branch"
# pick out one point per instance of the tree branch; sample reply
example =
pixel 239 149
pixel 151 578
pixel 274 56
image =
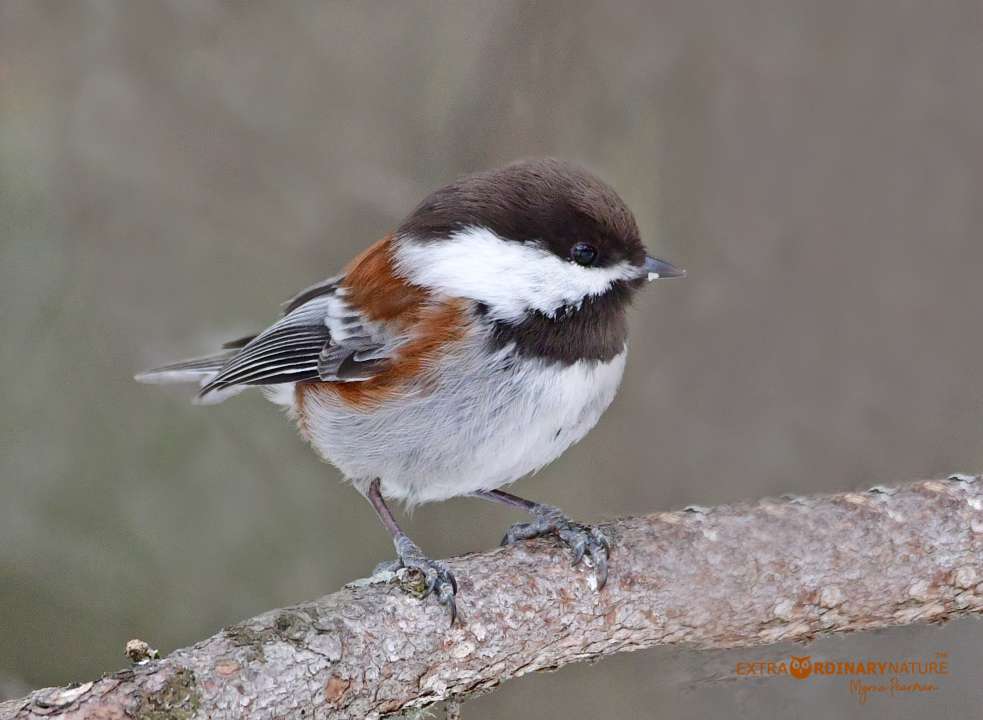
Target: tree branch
pixel 731 576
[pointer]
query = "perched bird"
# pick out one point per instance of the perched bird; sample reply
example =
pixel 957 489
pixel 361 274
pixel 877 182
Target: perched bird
pixel 468 348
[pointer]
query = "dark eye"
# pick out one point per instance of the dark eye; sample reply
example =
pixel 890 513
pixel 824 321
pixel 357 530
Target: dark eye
pixel 583 254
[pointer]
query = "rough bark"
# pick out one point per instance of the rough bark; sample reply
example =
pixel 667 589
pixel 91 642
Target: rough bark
pixel 742 575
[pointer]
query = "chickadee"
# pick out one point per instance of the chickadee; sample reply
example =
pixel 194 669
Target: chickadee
pixel 468 348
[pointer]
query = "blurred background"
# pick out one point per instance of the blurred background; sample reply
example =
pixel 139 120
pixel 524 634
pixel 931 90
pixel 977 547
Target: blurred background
pixel 171 171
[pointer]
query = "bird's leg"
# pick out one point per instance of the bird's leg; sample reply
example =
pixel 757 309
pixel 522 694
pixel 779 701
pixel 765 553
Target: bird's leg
pixel 436 577
pixel 548 520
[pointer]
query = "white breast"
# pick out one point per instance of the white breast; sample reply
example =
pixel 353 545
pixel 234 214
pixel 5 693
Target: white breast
pixel 487 421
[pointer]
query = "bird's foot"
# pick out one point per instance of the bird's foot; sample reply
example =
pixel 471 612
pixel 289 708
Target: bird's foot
pixel 583 540
pixel 423 576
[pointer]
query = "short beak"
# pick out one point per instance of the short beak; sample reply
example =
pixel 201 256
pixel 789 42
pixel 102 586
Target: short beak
pixel 655 269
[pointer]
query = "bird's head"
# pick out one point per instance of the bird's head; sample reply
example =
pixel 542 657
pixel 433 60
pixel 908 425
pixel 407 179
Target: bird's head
pixel 534 237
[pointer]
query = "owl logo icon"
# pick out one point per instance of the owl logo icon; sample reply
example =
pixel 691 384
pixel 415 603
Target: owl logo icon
pixel 800 667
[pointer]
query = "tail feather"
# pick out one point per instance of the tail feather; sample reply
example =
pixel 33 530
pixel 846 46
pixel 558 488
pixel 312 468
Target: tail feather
pixel 198 370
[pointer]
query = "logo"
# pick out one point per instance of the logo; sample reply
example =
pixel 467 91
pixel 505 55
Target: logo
pixel 800 667
pixel 867 677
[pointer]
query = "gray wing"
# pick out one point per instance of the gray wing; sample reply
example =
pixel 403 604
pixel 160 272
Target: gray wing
pixel 319 337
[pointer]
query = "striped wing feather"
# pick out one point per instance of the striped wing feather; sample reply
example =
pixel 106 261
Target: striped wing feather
pixel 320 337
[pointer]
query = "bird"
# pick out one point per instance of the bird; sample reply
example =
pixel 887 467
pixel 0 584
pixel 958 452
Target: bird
pixel 468 348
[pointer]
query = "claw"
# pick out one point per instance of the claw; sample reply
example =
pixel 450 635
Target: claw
pixel 601 538
pixel 581 539
pixel 435 578
pixel 579 548
pixel 431 584
pixel 601 569
pixel 446 598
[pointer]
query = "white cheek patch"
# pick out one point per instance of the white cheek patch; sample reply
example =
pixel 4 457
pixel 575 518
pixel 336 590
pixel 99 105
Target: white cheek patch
pixel 509 277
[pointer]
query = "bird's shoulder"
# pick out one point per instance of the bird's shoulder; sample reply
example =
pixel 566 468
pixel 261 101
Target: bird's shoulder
pixel 405 328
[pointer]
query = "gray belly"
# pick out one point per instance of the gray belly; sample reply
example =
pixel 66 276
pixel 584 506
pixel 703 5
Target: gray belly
pixel 484 422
